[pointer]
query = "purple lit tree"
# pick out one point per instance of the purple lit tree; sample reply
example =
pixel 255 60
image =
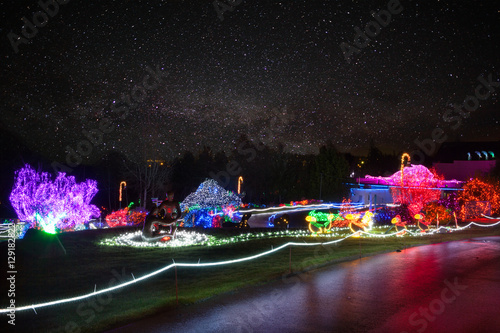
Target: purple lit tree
pixel 52 204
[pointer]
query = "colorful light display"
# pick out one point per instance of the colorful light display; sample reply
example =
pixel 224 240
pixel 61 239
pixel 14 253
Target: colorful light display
pixel 117 218
pixel 208 195
pixel 211 217
pixel 320 222
pixel 286 233
pixel 480 190
pixel 367 220
pixel 350 216
pixel 301 202
pixel 136 217
pixel 384 216
pixel 398 222
pixel 415 185
pixel 124 217
pixel 196 217
pixel 205 206
pixel 421 171
pixel 435 214
pixel 229 213
pixel 418 187
pixel 422 223
pixel 58 204
pixel 217 221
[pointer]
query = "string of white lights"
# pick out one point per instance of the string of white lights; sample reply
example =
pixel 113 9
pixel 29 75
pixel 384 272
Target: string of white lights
pixel 490 217
pixel 220 263
pixel 144 277
pixel 185 238
pixel 480 225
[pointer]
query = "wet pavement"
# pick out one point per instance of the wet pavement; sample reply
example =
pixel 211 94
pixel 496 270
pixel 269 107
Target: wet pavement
pixel 447 287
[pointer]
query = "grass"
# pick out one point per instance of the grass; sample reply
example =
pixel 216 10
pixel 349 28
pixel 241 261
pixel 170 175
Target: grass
pixel 87 265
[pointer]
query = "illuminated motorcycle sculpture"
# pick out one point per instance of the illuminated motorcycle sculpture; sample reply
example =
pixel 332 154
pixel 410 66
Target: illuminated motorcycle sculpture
pixel 165 215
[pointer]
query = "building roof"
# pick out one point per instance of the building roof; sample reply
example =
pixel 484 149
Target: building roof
pixel 463 151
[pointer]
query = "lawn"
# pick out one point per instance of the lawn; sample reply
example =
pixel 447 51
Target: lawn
pixel 88 265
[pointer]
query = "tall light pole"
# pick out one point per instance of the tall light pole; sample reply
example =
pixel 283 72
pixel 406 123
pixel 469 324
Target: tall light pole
pixel 403 164
pixel 240 181
pixel 123 185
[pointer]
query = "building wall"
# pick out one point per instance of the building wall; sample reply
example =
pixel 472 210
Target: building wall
pixel 370 196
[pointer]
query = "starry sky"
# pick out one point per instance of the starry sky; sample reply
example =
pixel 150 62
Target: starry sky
pixel 272 71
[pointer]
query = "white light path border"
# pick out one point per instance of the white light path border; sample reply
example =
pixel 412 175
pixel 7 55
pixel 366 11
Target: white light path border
pixel 491 218
pixel 220 263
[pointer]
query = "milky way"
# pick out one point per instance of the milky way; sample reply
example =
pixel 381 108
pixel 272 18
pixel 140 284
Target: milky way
pixel 275 64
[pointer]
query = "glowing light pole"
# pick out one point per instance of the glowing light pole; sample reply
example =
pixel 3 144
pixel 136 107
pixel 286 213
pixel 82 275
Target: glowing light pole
pixel 407 156
pixel 403 165
pixel 122 186
pixel 240 181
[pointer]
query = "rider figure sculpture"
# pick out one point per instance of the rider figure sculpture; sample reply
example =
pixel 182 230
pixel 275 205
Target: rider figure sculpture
pixel 166 214
pixel 169 209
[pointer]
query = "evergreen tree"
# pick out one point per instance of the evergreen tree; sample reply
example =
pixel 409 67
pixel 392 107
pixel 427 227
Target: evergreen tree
pixel 328 174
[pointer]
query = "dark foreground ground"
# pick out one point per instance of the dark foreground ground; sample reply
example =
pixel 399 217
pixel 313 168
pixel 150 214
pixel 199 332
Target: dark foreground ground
pixel 447 287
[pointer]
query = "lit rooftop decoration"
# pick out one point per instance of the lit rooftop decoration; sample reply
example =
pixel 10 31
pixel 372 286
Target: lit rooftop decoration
pixel 413 175
pixel 58 204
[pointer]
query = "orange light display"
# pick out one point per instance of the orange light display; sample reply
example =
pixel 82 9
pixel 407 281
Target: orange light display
pixel 481 193
pixel 437 214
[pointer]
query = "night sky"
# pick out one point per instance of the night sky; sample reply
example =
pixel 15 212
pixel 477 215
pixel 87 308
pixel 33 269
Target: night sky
pixel 271 70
